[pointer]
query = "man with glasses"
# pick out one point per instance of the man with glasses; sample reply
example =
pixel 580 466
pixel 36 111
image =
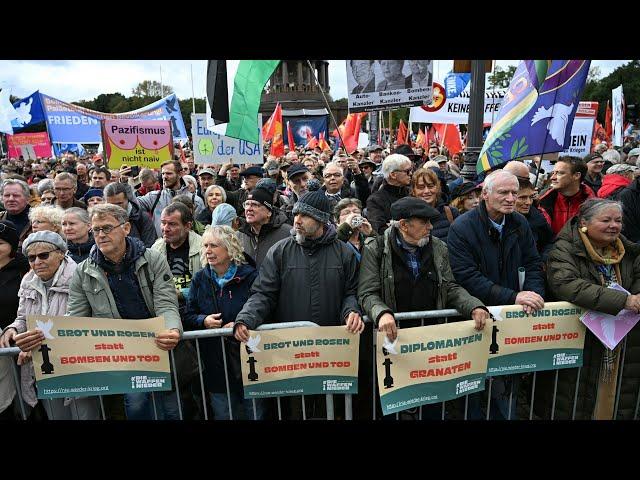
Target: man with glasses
pixel 236 198
pixel 64 186
pixel 396 170
pixel 336 188
pixel 124 279
pixel 594 177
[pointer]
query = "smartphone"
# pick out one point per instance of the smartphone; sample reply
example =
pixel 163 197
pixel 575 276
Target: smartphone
pixel 135 171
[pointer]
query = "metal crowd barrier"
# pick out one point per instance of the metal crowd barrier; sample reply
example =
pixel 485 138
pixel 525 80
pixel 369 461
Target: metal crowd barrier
pixel 197 335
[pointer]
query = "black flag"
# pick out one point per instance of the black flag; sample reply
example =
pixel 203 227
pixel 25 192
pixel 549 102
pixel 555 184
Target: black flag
pixel 217 91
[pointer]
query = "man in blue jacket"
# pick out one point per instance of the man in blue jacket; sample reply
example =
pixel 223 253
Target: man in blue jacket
pixel 487 246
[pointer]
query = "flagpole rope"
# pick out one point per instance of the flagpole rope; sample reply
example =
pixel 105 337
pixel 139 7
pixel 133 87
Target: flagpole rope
pixel 326 102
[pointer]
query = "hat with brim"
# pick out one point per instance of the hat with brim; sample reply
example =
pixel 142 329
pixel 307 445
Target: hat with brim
pixel 296 169
pixel 207 171
pixel 256 171
pixel 44 236
pixel 367 161
pixel 411 207
pixel 464 189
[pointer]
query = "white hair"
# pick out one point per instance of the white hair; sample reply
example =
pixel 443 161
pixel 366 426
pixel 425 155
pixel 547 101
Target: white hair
pixel 493 177
pixel 190 179
pixel 392 163
pixel 612 156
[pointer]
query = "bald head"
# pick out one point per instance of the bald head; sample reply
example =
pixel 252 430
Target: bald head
pixel 519 169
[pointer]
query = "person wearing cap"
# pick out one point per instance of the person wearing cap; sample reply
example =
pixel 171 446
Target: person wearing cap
pixel 13 266
pixel 234 180
pixel 45 291
pixel 617 178
pixel 407 270
pixel 367 167
pixel 632 156
pixel 206 178
pixel 594 177
pixel 124 279
pixel 465 196
pixel 443 165
pixel 298 176
pixel 397 170
pixel 487 247
pixel 375 154
pixel 15 198
pixel 95 196
pixel 155 201
pixel 237 197
pixel 225 215
pixel 561 202
pixel 265 225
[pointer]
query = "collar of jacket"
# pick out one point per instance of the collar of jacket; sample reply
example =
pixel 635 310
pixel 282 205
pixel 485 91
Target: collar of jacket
pixel 195 244
pixel 509 224
pixel 398 191
pixel 61 279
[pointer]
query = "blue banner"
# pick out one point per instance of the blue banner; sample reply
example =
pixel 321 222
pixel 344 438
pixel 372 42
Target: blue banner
pixel 29 111
pixel 455 83
pixel 61 148
pixel 68 123
pixel 300 126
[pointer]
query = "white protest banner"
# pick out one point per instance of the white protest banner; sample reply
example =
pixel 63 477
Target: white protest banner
pixel 210 147
pixel 618 115
pixel 582 130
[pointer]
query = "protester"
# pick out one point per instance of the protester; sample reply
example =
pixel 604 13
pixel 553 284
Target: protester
pixel 217 294
pixel 617 178
pixel 15 198
pixel 590 244
pixel 82 180
pixel 561 202
pixel 45 291
pixel 155 201
pixel 192 184
pixel 234 182
pixel 487 247
pixel 46 217
pixel 443 165
pixel 100 177
pixel 541 230
pixel 13 266
pixel 397 171
pixel 630 199
pixel 237 197
pixel 353 228
pixel 425 185
pixel 148 182
pixel 298 176
pixel 76 228
pixel 206 178
pixel 121 194
pixel 214 195
pixel 335 187
pixel 122 268
pixel 465 197
pixel 65 186
pixel 594 177
pixel 187 200
pixel 225 215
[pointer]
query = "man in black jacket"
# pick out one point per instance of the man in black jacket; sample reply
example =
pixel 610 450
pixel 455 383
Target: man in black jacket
pixel 630 198
pixel 397 170
pixel 142 227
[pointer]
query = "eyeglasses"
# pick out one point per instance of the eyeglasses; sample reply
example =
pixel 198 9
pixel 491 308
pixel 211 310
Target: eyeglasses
pixel 38 222
pixel 41 256
pixel 107 229
pixel 4 227
pixel 60 189
pixel 334 175
pixel 408 171
pixel 250 204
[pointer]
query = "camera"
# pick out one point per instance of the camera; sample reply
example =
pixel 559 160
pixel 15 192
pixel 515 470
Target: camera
pixel 356 221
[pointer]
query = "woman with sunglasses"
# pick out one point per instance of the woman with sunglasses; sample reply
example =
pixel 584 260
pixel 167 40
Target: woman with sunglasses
pixel 45 291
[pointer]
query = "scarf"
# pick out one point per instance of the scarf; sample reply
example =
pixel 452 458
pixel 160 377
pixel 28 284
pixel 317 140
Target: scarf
pixel 226 278
pixel 608 265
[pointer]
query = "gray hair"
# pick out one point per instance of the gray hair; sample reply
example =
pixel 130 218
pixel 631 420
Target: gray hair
pixel 108 209
pixel 593 206
pixel 44 244
pixel 52 213
pixel 81 213
pixel 45 185
pixel 493 177
pixel 211 188
pixel 190 179
pixel 147 174
pixel 14 181
pixel 392 163
pixel 612 156
pixel 66 176
pixel 117 188
pixel 228 239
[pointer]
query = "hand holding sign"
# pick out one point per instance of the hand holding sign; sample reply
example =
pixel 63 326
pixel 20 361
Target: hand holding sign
pixel 387 325
pixel 29 340
pixel 167 339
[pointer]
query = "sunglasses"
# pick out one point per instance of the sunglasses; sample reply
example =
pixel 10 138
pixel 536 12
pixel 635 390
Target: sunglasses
pixel 41 256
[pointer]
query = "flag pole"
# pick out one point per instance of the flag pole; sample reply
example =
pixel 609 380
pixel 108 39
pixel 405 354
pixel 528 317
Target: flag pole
pixel 326 102
pixel 193 95
pixel 161 86
pixel 390 131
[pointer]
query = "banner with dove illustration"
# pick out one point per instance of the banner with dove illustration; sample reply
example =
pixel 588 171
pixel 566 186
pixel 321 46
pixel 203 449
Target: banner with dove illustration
pixel 431 365
pixel 537 112
pixel 300 361
pixel 83 356
pixel 611 329
pixel 550 339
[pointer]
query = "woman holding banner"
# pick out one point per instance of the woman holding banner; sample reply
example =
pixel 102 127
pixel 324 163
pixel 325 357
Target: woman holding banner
pixel 588 263
pixel 217 294
pixel 45 291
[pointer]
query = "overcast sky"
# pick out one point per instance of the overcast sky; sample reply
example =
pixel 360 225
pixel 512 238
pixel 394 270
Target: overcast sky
pixel 73 80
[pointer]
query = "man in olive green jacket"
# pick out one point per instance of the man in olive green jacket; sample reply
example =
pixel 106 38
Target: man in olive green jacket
pixel 407 269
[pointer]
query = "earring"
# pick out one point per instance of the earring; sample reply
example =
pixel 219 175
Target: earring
pixel 583 229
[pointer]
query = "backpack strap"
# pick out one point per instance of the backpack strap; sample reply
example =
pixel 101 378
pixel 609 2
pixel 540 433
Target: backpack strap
pixel 155 204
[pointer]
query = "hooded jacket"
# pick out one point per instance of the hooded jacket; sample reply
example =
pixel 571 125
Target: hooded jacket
pixel 558 209
pixel 257 246
pixel 80 251
pixel 316 281
pixel 612 186
pixel 379 205
pixel 141 225
pixel 630 198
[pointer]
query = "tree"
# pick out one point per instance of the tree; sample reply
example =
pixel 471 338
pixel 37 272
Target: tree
pixel 627 75
pixel 151 88
pixel 501 78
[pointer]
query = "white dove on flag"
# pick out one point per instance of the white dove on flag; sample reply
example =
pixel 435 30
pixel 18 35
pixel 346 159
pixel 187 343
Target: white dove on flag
pixel 253 343
pixel 390 347
pixel 559 115
pixel 23 112
pixel 7 112
pixel 46 328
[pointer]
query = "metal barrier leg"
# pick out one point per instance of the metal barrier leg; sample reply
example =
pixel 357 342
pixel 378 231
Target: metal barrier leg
pixel 489 398
pixel 304 410
pixel 175 378
pixel 204 395
pixel 348 407
pixel 279 409
pixel 510 400
pixel 104 415
pixel 51 409
pixel 226 377
pixel 443 410
pixel 255 411
pixel 533 393
pixel 619 385
pixel 75 405
pixel 153 400
pixel 16 381
pixel 555 390
pixel 375 373
pixel 575 395
pixel 330 411
pixel 466 406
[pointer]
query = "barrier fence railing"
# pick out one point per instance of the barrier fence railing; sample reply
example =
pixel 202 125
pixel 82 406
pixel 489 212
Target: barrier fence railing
pixel 221 333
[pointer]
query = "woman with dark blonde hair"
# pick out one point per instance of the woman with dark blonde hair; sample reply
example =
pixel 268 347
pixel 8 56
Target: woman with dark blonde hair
pixel 426 186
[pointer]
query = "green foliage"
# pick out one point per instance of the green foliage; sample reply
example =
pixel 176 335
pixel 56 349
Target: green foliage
pixel 599 90
pixel 501 78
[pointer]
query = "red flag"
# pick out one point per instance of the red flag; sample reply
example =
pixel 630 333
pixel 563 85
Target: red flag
pixel 322 143
pixel 608 125
pixel 182 156
pixel 268 129
pixel 277 144
pixel 292 143
pixel 421 140
pixel 401 137
pixel 449 136
pixel 351 131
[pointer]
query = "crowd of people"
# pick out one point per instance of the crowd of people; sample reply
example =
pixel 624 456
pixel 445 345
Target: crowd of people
pixel 320 236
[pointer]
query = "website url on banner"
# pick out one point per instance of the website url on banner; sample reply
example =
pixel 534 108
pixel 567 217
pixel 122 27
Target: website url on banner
pixel 511 367
pixel 411 401
pixel 53 391
pixel 279 392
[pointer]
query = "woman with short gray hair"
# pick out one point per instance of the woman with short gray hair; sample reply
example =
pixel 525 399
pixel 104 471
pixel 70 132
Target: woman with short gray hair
pixel 46 217
pixel 76 227
pixel 214 195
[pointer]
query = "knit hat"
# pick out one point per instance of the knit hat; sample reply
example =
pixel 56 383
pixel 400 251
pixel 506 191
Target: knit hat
pixel 314 203
pixel 45 236
pixel 223 214
pixel 9 234
pixel 92 192
pixel 262 194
